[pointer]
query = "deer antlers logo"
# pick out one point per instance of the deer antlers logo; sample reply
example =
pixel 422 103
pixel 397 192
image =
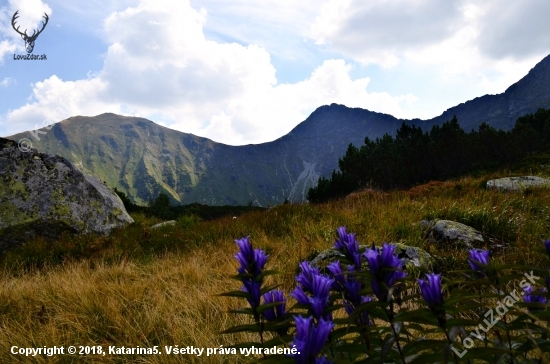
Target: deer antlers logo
pixel 29 39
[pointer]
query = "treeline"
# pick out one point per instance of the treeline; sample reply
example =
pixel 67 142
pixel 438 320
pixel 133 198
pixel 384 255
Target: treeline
pixel 413 157
pixel 162 208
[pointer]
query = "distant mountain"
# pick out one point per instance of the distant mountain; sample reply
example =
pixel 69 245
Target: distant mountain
pixel 142 158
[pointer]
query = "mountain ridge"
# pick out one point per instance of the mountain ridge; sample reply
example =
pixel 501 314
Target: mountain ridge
pixel 142 158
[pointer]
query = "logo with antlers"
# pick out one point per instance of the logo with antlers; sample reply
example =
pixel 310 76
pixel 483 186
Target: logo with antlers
pixel 29 39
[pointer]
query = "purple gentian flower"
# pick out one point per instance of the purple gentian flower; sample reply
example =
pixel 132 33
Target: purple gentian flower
pixel 320 290
pixel 547 246
pixel 386 268
pixel 305 277
pixel 349 246
pixel 253 288
pixel 530 297
pixel 351 288
pixel 275 296
pixel 431 290
pixel 480 256
pixel 252 262
pixel 310 339
pixel 317 285
pixel 339 278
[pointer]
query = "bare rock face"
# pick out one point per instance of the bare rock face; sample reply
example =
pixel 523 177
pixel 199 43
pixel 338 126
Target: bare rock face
pixel 447 231
pixel 518 183
pixel 41 194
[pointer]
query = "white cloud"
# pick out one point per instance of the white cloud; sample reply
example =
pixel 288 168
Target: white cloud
pixel 379 31
pixel 7 81
pixel 463 43
pixel 55 100
pixel 514 29
pixel 160 63
pixel 279 26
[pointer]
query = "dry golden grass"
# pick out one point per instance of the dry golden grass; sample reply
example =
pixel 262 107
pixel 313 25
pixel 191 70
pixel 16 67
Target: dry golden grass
pixel 171 301
pixel 168 296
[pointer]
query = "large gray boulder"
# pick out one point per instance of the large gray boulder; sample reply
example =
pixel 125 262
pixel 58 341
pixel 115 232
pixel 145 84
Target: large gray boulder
pixel 447 231
pixel 41 194
pixel 518 183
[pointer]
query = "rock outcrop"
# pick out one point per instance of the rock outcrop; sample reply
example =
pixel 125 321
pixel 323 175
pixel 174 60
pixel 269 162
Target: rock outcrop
pixel 41 194
pixel 518 183
pixel 451 232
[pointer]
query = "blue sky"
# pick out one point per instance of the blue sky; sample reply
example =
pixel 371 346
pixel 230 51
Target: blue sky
pixel 241 72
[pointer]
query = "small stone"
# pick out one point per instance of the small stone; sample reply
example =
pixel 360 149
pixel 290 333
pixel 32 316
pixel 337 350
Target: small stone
pixel 165 223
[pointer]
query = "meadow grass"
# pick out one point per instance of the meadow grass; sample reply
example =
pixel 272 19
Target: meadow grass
pixel 145 287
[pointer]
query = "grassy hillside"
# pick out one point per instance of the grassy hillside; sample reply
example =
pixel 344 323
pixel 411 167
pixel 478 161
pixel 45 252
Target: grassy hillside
pixel 143 287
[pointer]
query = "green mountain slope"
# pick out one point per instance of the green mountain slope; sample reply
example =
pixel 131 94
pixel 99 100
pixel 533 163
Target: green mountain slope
pixel 143 159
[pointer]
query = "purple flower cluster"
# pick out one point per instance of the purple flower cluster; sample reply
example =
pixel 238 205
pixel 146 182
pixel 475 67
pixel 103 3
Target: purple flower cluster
pixel 431 290
pixel 318 286
pixel 349 246
pixel 252 262
pixel 531 297
pixel 351 288
pixel 386 268
pixel 347 282
pixel 310 339
pixel 479 259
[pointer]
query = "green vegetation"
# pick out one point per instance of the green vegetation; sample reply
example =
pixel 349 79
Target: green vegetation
pixel 142 286
pixel 365 308
pixel 164 209
pixel 414 157
pixel 145 287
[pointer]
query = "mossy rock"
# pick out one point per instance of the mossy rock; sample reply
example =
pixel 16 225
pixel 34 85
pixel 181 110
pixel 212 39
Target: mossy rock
pixel 451 232
pixel 518 183
pixel 46 195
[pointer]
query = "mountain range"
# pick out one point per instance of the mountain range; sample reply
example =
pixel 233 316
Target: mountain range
pixel 142 158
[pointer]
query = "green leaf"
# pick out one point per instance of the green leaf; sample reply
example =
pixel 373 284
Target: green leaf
pixel 418 346
pixel 397 326
pixel 242 328
pixel 246 311
pixel 386 348
pixel 264 290
pixel 420 316
pixel 239 294
pixel 461 322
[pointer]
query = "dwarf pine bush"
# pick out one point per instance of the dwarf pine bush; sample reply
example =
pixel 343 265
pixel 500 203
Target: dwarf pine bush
pixel 364 308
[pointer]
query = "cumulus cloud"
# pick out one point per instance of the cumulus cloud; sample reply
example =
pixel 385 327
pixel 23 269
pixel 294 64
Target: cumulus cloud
pixel 159 63
pixel 515 29
pixel 389 31
pixel 484 46
pixel 380 31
